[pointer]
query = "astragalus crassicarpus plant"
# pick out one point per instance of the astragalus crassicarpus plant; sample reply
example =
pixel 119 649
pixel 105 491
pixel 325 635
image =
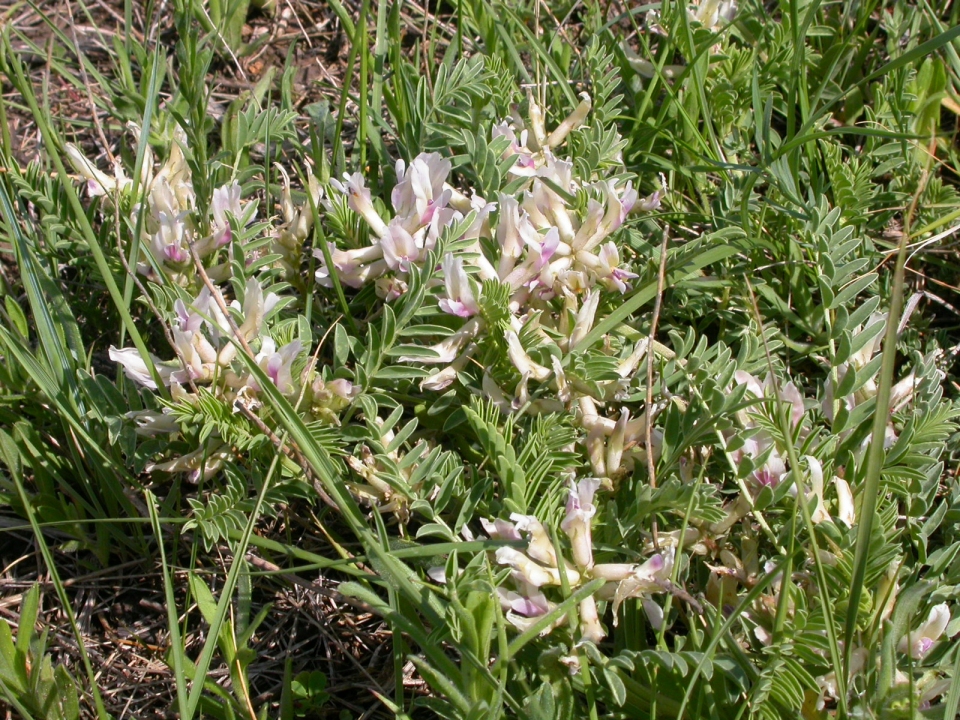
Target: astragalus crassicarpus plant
pixel 505 305
pixel 446 351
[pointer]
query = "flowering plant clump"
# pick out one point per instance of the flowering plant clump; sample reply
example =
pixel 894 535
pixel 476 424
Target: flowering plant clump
pixel 499 362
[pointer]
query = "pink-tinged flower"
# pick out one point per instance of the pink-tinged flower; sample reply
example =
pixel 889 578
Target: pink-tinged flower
pixel 98 182
pixel 773 470
pixel 534 605
pixel 460 300
pixel 527 571
pixel 359 200
pixel 590 627
pixel 523 362
pixel 399 248
pixel 576 523
pixel 616 211
pixel 523 611
pixel 590 227
pixel 613 277
pixel 255 308
pixel 169 243
pixel 186 320
pixel 654 613
pixel 213 317
pixel 446 377
pixel 788 393
pixel 500 529
pixel 921 641
pixel 278 364
pixel 573 121
pixel 136 369
pixel 646 579
pixel 332 396
pixel 226 200
pixel 542 248
pixel 585 319
pixel 525 165
pixel 151 423
pixel 649 203
pixel 388 287
pixel 419 191
pixel 540 547
pixel 189 325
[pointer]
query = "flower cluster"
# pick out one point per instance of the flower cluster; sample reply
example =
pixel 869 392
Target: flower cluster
pixel 170 226
pixel 517 287
pixel 206 333
pixel 540 567
pixel 555 259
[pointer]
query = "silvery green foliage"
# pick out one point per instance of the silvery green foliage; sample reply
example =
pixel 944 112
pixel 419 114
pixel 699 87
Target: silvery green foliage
pixel 469 364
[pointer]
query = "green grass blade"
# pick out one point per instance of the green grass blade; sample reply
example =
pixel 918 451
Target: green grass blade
pixel 173 625
pixel 870 489
pixel 48 559
pixel 53 146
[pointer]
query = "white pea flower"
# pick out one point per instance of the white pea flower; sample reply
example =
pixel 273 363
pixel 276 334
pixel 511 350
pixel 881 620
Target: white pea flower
pixel 540 547
pixel 136 369
pixel 460 299
pixel 917 643
pixel 576 523
pixel 97 181
pixel 359 200
pixel 590 627
pixel 226 201
pixel 399 247
pixel 448 350
pixel 278 364
pixel 523 362
pixel 585 318
pixel 573 121
pixel 500 529
pixel 419 191
pixel 845 508
pixel 528 571
pixel 613 277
